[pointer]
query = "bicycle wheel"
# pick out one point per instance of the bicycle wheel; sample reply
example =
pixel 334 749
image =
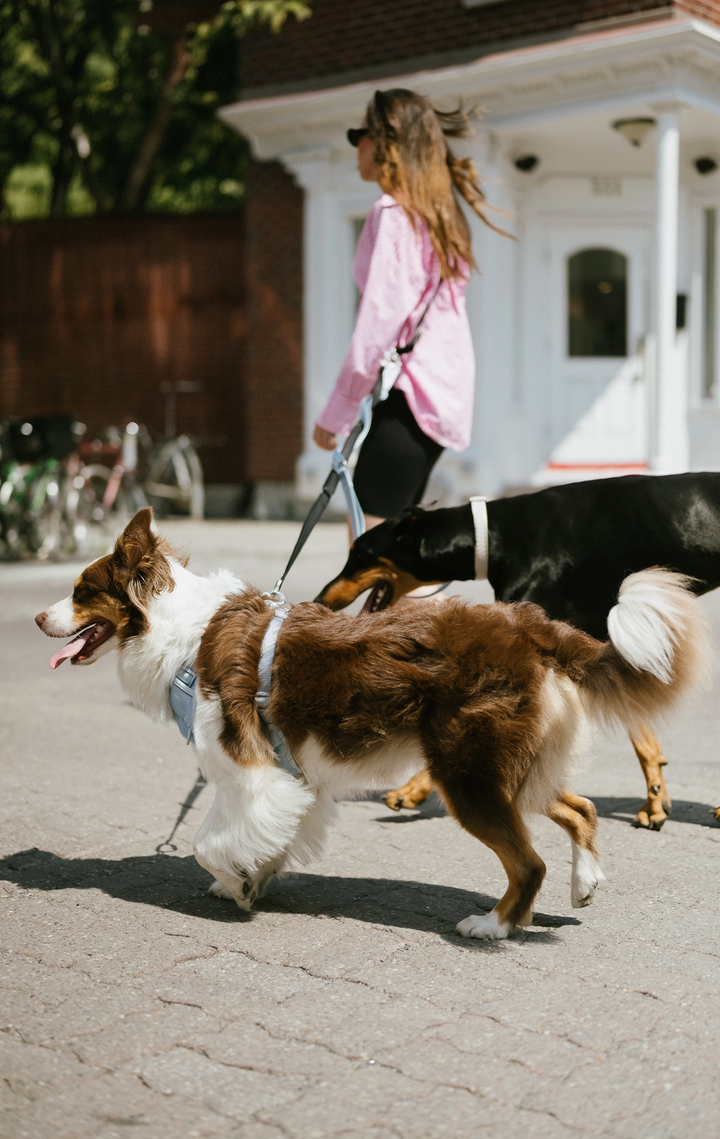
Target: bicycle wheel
pixel 174 483
pixel 45 523
pixel 92 529
pixel 12 514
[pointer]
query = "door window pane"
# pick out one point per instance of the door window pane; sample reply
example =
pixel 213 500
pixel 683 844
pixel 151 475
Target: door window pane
pixel 597 303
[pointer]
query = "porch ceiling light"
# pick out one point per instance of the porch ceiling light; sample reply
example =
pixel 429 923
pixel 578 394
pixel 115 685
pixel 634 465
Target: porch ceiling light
pixel 634 130
pixel 527 162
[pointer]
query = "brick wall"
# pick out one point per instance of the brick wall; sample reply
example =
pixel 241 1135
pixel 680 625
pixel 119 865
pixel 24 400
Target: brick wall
pixel 367 34
pixel 95 313
pixel 702 9
pixel 273 357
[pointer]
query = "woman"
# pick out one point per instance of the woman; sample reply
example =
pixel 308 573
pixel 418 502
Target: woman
pixel 412 263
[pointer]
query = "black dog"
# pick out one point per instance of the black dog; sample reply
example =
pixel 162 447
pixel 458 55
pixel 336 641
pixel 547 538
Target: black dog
pixel 567 548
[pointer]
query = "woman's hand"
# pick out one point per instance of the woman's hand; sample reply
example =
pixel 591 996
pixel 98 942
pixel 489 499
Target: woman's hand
pixel 324 439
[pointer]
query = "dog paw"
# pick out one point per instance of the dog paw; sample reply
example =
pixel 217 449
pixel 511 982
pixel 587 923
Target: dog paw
pixel 394 800
pixel 651 817
pixel 218 891
pixel 585 896
pixel 656 809
pixel 586 877
pixel 483 925
pixel 411 794
pixel 247 894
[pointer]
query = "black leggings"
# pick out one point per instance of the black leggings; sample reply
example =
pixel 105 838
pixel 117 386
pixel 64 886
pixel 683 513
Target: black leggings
pixel 395 460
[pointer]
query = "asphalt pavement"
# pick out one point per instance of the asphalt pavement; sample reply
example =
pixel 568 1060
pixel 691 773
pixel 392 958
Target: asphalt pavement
pixel 133 1004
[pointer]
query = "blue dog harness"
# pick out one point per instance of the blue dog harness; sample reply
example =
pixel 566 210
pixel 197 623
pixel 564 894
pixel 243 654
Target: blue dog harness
pixel 183 690
pixel 183 700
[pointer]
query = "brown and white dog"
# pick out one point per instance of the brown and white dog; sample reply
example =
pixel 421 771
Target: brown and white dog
pixel 492 698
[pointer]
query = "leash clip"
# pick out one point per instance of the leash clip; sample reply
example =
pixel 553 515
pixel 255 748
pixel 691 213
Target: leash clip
pixel 275 596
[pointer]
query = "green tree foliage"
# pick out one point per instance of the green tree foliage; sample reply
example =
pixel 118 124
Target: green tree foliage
pixel 110 105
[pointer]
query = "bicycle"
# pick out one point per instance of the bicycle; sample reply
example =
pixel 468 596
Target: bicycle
pixel 167 476
pixel 33 483
pixel 174 478
pixel 117 488
pixel 62 497
pixel 174 481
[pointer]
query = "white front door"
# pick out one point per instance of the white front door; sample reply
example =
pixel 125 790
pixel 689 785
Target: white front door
pixel 597 419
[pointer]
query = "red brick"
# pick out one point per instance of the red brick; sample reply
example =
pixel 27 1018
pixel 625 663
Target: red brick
pixel 95 313
pixel 342 37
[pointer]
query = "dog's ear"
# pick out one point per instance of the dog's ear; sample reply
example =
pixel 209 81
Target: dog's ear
pixel 134 545
pixel 140 561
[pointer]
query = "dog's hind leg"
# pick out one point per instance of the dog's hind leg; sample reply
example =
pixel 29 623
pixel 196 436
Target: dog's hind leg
pixel 658 804
pixel 578 818
pixel 498 824
pixel 412 793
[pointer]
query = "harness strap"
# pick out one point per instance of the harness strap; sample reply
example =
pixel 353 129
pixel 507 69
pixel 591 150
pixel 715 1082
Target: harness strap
pixel 482 546
pixel 183 700
pixel 183 693
pixel 262 697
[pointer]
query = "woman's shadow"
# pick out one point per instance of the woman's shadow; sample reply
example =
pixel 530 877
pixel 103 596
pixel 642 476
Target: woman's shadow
pixel 178 883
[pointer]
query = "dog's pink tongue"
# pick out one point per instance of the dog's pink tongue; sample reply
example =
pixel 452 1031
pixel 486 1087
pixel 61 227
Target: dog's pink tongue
pixel 73 647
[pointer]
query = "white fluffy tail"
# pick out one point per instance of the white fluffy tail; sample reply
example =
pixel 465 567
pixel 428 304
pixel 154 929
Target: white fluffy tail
pixel 658 629
pixel 654 617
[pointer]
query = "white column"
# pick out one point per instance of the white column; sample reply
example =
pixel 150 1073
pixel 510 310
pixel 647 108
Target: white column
pixel 669 444
pixel 334 195
pixel 325 334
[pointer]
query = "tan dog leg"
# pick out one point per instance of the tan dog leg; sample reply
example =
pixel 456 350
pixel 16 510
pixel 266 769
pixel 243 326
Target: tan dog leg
pixel 411 794
pixel 656 808
pixel 578 818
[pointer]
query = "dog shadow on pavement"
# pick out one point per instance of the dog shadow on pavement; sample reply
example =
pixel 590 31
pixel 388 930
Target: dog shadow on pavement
pixel 179 884
pixel 683 811
pixel 624 810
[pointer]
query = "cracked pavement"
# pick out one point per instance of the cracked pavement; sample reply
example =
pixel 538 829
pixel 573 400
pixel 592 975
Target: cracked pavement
pixel 132 1003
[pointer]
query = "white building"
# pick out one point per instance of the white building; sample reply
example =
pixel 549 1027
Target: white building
pixel 596 330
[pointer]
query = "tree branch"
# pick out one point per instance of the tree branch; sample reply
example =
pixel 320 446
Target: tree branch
pixel 141 171
pixel 63 167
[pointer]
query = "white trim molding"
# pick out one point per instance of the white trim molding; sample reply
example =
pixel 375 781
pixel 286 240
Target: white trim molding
pixel 668 60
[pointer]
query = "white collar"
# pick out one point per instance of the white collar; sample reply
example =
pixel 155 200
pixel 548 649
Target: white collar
pixel 478 504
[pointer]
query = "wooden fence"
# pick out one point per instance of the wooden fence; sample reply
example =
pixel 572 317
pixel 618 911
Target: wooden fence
pixel 102 317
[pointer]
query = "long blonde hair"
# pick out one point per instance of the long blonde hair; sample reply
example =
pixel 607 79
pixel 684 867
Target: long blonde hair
pixel 419 170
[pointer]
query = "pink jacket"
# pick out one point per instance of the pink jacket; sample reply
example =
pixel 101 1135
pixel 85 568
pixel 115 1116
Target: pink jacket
pixel 397 270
